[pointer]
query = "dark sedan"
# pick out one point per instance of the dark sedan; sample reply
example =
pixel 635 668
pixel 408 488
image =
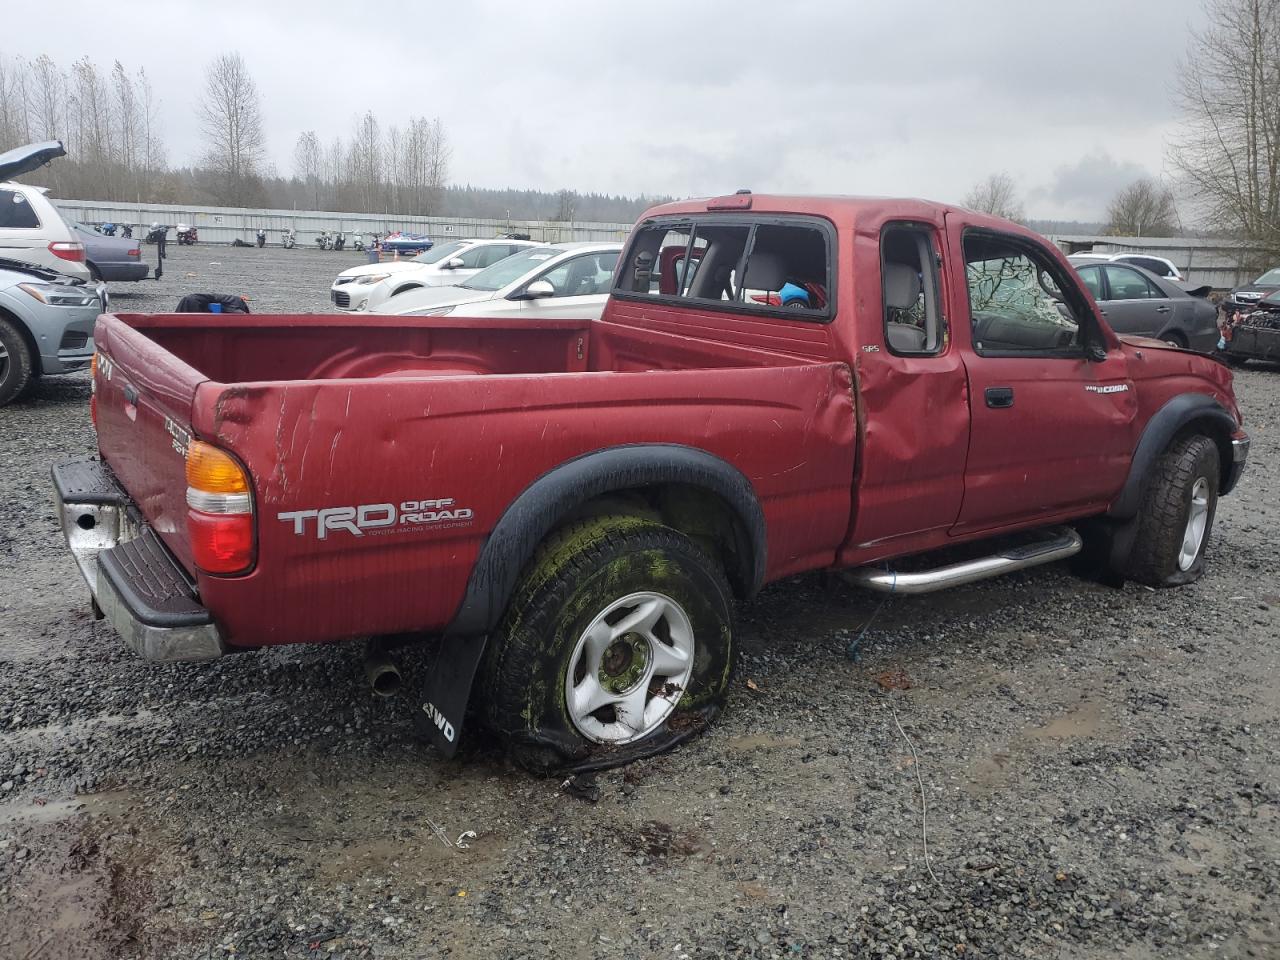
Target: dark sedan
pixel 1247 297
pixel 111 258
pixel 1136 301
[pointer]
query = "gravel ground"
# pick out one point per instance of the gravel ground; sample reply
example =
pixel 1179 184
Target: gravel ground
pixel 1101 767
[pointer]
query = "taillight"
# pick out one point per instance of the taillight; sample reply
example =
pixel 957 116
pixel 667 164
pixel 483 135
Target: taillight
pixel 68 250
pixel 93 388
pixel 220 510
pixel 136 252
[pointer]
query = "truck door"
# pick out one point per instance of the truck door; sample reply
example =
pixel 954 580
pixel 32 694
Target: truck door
pixel 912 388
pixel 1051 429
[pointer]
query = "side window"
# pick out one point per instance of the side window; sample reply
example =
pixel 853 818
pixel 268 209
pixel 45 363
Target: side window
pixel 1158 267
pixel 480 256
pixel 1015 301
pixel 787 267
pixel 1128 284
pixel 1092 277
pixel 913 322
pixel 582 276
pixel 16 213
pixel 731 261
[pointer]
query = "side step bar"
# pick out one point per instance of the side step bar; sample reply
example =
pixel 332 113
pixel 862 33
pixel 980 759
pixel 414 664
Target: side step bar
pixel 1065 543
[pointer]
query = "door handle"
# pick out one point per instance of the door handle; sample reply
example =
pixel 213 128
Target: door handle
pixel 999 397
pixel 1162 309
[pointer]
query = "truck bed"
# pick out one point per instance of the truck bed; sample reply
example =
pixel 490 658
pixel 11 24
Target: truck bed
pixel 447 418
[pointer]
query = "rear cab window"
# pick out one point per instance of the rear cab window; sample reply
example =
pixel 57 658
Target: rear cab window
pixel 16 212
pixel 780 266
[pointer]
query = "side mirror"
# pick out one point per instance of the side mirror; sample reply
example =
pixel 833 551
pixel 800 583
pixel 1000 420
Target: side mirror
pixel 455 264
pixel 539 290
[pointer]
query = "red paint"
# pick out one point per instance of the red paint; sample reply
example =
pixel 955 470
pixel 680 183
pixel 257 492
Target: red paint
pixel 855 454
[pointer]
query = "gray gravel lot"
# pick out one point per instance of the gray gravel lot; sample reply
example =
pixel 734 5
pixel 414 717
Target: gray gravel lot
pixel 1102 767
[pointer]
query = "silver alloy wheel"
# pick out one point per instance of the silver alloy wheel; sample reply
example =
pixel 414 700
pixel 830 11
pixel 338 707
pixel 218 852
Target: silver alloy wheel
pixel 629 668
pixel 1197 521
pixel 4 362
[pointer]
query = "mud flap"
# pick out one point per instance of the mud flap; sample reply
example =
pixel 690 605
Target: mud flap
pixel 441 702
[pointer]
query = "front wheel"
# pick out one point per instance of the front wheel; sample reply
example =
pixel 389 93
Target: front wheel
pixel 1176 515
pixel 16 363
pixel 617 645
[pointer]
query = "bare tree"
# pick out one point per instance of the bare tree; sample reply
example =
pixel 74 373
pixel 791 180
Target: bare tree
pixel 308 162
pixel 124 102
pixel 14 119
pixel 394 167
pixel 90 136
pixel 366 162
pixel 424 165
pixel 1229 91
pixel 565 201
pixel 232 120
pixel 1143 209
pixel 996 195
pixel 335 171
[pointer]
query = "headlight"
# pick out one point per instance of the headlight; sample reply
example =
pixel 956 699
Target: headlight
pixel 436 312
pixel 59 294
pixel 372 278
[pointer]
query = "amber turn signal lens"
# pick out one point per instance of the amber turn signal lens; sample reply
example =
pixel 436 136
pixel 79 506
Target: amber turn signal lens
pixel 209 470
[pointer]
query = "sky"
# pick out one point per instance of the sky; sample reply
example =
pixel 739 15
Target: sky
pixel 673 98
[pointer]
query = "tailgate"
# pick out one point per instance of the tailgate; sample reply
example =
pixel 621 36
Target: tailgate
pixel 143 395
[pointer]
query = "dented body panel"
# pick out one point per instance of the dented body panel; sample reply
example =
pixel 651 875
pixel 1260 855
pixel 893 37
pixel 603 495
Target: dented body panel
pixel 385 452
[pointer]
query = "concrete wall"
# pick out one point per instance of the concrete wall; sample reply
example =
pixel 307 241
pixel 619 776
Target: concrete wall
pixel 224 224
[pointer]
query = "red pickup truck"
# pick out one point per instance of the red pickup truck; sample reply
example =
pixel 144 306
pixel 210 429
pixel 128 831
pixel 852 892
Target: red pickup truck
pixel 567 510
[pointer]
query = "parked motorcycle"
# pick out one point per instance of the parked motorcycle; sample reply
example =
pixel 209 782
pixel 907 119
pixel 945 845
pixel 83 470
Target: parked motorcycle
pixel 324 241
pixel 262 238
pixel 127 231
pixel 357 242
pixel 288 238
pixel 187 235
pixel 339 241
pixel 108 229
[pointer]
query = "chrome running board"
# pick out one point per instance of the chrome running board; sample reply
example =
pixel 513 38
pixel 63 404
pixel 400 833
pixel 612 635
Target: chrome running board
pixel 1064 543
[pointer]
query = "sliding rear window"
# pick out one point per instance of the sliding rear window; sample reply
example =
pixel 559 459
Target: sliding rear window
pixel 776 266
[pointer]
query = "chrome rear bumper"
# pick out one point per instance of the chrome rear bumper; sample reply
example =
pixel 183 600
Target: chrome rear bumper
pixel 134 581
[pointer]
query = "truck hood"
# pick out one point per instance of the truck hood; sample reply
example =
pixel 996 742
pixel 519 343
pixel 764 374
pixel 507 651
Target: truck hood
pixel 432 298
pixel 391 266
pixel 20 160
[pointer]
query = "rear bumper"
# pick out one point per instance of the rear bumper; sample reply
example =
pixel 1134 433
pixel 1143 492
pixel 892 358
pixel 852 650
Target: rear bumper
pixel 123 271
pixel 134 581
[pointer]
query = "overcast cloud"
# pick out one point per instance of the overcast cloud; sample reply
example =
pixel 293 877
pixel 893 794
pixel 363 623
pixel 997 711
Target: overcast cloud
pixel 679 98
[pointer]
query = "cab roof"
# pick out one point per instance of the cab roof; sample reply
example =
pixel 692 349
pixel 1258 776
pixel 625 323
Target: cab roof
pixel 839 209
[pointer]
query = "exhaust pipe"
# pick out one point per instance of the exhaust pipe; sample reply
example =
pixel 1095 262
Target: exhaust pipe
pixel 383 672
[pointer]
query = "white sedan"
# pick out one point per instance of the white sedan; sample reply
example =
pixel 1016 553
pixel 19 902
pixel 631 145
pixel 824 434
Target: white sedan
pixel 365 287
pixel 563 281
